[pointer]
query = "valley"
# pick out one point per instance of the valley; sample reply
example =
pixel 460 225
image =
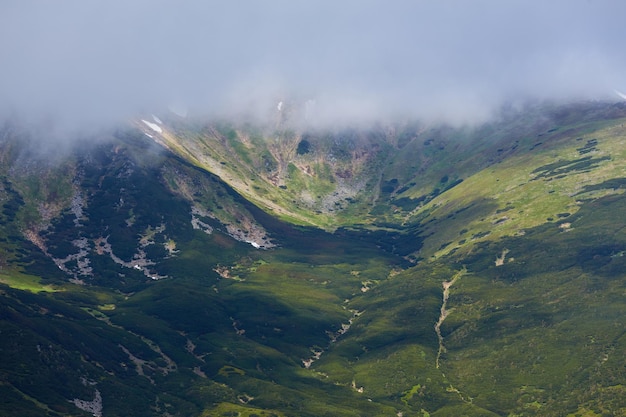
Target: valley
pixel 177 267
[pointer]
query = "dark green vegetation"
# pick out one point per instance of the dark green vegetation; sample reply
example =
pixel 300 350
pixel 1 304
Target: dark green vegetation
pixel 426 271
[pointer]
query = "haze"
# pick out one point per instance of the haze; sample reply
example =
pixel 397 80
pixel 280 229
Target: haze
pixel 84 63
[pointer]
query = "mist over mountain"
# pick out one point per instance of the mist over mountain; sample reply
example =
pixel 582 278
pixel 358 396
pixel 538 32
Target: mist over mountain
pixel 81 64
pixel 356 208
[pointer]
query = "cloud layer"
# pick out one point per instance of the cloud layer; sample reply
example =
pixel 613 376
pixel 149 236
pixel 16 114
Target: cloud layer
pixel 99 62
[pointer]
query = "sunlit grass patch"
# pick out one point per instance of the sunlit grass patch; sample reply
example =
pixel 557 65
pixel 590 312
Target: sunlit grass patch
pixel 235 410
pixel 230 370
pixel 26 282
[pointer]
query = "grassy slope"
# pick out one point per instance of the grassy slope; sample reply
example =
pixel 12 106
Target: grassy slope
pixel 543 185
pixel 307 188
pixel 392 175
pixel 534 186
pixel 539 334
pixel 157 322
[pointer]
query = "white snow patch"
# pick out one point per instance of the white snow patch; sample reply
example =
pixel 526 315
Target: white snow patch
pixel 149 135
pixel 256 245
pixel 279 107
pixel 621 95
pixel 153 126
pixel 156 119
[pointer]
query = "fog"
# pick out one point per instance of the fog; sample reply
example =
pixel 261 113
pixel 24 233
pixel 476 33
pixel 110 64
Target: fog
pixel 86 63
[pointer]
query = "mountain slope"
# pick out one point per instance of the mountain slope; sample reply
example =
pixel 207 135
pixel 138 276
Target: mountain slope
pixel 409 270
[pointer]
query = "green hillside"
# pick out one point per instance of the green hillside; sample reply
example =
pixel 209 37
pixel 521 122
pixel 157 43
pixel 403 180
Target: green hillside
pixel 229 269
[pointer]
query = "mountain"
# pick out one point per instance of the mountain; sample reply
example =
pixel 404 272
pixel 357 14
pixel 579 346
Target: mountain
pixel 179 267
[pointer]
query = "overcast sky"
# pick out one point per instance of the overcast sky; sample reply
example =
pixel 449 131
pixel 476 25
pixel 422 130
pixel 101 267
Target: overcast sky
pixel 101 61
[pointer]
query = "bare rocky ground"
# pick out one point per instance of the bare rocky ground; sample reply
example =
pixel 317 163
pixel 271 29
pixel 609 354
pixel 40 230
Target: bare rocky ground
pixel 246 230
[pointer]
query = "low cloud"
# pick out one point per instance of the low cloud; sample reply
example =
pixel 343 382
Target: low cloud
pixel 96 63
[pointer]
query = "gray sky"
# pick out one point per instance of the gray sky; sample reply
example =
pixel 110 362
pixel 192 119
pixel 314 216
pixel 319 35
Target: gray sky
pixel 94 62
